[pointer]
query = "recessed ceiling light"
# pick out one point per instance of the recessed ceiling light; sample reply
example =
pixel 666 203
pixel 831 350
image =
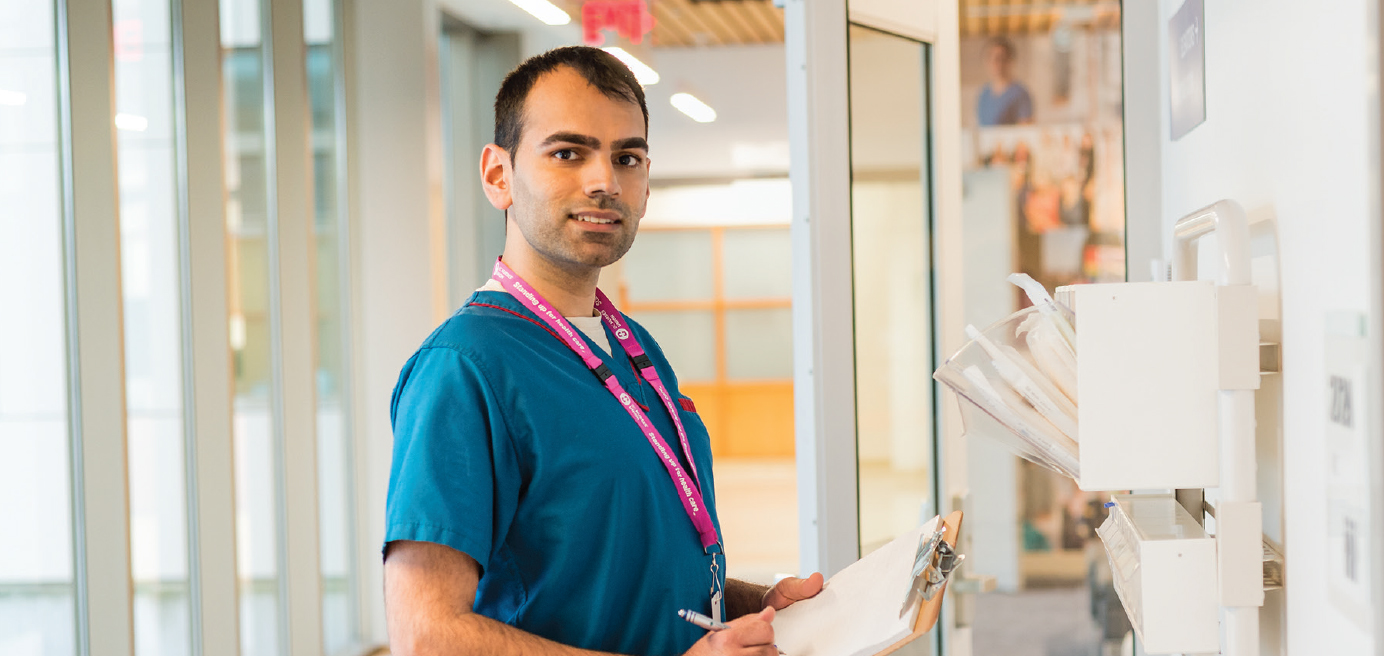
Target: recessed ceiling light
pixel 642 72
pixel 131 122
pixel 693 107
pixel 545 11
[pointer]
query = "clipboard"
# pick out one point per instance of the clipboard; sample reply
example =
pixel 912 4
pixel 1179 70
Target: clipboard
pixel 862 610
pixel 928 611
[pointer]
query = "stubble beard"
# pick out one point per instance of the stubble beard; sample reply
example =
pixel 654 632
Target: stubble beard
pixel 549 234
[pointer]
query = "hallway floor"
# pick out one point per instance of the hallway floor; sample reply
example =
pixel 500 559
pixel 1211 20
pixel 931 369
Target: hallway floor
pixel 1048 622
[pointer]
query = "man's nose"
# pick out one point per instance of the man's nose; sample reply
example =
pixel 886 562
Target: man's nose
pixel 600 178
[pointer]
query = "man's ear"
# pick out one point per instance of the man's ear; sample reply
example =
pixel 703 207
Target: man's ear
pixel 497 172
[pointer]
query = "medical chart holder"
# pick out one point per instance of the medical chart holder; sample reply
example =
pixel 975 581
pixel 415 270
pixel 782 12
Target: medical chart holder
pixel 1166 377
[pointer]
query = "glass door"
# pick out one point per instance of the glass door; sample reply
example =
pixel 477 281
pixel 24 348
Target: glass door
pixel 891 235
pixel 1039 168
pixel 917 191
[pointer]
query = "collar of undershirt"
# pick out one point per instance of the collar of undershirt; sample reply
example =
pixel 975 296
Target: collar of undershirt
pixel 590 326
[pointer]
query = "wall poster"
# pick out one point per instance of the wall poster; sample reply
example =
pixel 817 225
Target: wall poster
pixel 1187 68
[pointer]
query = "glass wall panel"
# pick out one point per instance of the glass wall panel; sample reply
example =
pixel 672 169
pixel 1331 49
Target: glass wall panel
pixel 250 230
pixel 759 343
pixel 718 299
pixel 153 325
pixel 670 265
pixel 37 613
pixel 757 263
pixel 334 462
pixel 730 340
pixel 688 339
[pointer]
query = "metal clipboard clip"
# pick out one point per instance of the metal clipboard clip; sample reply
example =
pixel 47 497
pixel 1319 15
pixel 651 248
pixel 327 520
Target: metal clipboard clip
pixel 933 565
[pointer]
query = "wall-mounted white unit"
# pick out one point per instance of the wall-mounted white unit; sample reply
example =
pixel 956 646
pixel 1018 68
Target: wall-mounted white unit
pixel 1167 373
pixel 1164 385
pixel 1152 358
pixel 1164 566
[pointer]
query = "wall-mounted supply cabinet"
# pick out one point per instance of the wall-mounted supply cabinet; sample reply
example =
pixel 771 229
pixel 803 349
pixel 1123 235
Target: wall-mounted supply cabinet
pixel 1152 358
pixel 1163 398
pixel 1164 566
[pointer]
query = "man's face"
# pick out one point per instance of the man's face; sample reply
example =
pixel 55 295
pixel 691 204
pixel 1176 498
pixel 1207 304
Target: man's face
pixel 997 62
pixel 580 174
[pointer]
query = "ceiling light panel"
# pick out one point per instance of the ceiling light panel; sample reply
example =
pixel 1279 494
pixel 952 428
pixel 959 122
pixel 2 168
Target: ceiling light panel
pixel 545 11
pixel 693 107
pixel 131 122
pixel 642 72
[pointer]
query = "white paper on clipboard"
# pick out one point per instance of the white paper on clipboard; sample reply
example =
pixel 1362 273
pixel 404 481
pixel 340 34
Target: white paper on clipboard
pixel 858 611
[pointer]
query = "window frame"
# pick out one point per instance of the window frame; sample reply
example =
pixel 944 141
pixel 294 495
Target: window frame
pixel 93 302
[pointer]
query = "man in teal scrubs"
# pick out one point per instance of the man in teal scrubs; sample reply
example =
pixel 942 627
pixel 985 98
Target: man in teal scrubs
pixel 527 511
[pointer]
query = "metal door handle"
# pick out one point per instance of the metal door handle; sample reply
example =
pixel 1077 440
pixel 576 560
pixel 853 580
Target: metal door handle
pixel 969 585
pixel 964 589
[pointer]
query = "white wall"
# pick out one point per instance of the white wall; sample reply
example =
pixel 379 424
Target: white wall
pixel 502 16
pixel 747 86
pixel 1288 91
pixel 395 210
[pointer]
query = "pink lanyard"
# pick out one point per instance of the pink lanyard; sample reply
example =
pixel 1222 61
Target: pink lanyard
pixel 689 493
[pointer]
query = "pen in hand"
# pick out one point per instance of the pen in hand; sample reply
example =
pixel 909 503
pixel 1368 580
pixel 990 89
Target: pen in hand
pixel 706 622
pixel 702 620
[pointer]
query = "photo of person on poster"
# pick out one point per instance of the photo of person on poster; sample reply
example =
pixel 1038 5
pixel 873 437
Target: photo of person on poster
pixel 1003 100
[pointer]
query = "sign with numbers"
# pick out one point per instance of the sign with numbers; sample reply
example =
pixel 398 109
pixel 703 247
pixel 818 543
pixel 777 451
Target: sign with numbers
pixel 1347 452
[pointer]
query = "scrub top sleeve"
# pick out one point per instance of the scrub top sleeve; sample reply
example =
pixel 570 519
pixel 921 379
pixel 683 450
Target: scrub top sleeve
pixel 454 479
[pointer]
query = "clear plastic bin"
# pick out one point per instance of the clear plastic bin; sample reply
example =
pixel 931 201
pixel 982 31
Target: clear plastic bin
pixel 990 410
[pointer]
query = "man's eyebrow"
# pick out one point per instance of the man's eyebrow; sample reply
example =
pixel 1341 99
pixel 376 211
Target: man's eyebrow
pixel 572 138
pixel 632 143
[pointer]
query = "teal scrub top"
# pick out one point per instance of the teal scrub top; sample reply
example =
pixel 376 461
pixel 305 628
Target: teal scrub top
pixel 507 448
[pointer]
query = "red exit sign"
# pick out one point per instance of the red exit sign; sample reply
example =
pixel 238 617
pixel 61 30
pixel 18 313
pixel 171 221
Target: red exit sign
pixel 630 19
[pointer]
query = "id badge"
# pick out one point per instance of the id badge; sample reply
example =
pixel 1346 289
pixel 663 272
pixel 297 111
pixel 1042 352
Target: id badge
pixel 717 599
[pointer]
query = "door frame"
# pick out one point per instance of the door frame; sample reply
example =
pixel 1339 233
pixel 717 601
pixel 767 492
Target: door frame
pixel 823 345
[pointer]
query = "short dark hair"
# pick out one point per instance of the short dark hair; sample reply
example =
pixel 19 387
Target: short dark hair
pixel 602 70
pixel 1003 44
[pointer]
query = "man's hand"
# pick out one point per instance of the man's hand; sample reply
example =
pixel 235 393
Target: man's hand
pixel 744 598
pixel 793 589
pixel 751 635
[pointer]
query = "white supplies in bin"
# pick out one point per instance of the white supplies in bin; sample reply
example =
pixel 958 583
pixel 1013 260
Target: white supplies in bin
pixel 1164 567
pixel 1153 358
pixel 1017 382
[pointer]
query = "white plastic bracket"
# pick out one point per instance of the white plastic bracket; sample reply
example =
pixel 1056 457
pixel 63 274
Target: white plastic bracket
pixel 1239 529
pixel 1240 553
pixel 1237 331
